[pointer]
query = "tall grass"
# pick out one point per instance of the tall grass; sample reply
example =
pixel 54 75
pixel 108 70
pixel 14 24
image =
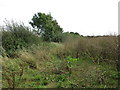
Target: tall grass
pixel 99 48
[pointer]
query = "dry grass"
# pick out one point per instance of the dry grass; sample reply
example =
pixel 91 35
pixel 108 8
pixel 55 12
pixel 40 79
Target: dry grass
pixel 98 48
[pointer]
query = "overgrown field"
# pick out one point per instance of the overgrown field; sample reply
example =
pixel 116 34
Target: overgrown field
pixel 76 62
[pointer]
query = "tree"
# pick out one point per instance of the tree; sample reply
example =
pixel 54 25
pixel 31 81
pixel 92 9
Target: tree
pixel 47 27
pixel 74 33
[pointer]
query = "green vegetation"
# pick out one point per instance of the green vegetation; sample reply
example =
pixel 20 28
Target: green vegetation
pixel 17 36
pixel 47 27
pixel 29 60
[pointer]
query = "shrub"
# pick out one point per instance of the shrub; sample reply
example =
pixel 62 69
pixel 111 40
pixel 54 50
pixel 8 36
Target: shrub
pixel 16 36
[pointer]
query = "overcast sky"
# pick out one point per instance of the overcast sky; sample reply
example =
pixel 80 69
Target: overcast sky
pixel 87 17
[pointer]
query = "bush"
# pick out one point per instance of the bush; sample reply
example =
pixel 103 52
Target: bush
pixel 16 36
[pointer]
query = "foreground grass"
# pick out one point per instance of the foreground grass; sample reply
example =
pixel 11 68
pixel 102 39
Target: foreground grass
pixel 30 70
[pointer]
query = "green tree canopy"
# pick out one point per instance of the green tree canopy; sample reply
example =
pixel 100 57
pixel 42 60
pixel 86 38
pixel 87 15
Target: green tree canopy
pixel 47 27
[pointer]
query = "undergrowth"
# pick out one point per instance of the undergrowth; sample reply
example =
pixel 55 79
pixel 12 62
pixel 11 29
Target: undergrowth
pixel 77 62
